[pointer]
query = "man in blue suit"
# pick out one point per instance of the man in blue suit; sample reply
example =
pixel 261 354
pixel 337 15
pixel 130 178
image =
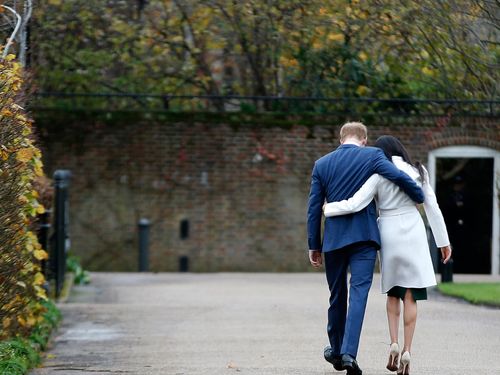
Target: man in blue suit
pixel 349 241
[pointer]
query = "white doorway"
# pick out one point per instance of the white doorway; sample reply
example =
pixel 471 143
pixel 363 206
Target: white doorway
pixel 475 166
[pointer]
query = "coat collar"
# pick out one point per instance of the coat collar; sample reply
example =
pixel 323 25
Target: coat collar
pixel 348 145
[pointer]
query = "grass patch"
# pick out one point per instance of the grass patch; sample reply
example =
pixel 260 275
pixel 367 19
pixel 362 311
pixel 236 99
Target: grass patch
pixel 19 354
pixel 476 293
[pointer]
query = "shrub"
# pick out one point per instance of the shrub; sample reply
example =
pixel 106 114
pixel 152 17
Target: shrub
pixel 18 355
pixel 21 292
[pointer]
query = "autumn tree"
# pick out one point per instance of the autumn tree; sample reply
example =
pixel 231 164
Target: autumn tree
pixel 14 30
pixel 329 48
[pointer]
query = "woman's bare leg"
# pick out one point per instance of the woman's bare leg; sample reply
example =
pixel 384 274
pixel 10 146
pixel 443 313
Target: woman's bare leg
pixel 410 319
pixel 393 311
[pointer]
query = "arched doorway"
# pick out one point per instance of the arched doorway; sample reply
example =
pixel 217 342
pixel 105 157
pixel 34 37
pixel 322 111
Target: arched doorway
pixel 466 180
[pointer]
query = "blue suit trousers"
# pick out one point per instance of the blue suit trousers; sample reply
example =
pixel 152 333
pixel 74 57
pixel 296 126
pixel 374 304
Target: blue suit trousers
pixel 345 321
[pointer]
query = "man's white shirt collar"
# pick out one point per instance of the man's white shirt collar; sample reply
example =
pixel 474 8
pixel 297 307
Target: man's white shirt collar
pixel 351 143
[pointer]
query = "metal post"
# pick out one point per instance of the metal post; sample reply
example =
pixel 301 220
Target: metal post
pixel 144 225
pixel 183 263
pixel 184 235
pixel 60 238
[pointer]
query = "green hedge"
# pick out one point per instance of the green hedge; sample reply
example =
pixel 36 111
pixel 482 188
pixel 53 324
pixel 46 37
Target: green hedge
pixel 18 355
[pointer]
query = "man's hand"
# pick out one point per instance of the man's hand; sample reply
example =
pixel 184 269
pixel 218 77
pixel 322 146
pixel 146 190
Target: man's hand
pixel 315 258
pixel 445 254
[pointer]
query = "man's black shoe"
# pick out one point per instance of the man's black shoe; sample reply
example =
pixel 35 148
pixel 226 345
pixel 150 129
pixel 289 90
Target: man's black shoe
pixel 335 360
pixel 350 364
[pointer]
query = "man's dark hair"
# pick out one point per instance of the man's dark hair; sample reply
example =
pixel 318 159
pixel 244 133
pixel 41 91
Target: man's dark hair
pixel 393 147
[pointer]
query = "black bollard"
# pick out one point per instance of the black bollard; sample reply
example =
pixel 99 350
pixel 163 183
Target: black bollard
pixel 183 263
pixel 184 235
pixel 60 236
pixel 447 272
pixel 144 225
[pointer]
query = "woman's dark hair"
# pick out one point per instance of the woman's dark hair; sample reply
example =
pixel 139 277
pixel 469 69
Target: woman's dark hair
pixel 393 147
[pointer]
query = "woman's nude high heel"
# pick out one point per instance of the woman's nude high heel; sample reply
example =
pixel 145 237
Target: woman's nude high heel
pixel 392 365
pixel 404 364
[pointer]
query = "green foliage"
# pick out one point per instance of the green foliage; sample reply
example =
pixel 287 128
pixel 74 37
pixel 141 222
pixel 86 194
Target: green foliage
pixel 18 355
pixel 477 293
pixel 73 265
pixel 50 319
pixel 335 48
pixel 21 291
pixel 13 367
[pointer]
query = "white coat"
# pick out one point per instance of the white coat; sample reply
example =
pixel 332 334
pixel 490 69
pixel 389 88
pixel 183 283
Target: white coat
pixel 404 255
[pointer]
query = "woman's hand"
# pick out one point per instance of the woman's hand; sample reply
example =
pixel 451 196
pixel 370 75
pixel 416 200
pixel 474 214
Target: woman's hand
pixel 445 254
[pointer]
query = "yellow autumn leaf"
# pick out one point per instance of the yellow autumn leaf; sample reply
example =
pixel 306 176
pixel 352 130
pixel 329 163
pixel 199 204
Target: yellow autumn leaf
pixel 40 292
pixel 427 71
pixel 31 236
pixel 6 323
pixel 38 279
pixel 40 209
pixel 40 254
pixel 21 321
pixel 24 155
pixel 362 90
pixel 363 56
pixel 4 155
pixel 38 169
pixel 10 57
pixel 286 62
pixel 336 37
pixel 177 39
pixel 363 14
pixel 21 118
pixel 6 112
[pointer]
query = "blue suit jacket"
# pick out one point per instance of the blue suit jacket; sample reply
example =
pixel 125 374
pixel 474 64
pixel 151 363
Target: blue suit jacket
pixel 337 176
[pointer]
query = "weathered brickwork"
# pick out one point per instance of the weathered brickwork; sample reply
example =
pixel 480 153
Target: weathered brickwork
pixel 243 189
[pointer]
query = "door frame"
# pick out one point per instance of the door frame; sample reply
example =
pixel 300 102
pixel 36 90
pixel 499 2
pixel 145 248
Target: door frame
pixel 458 152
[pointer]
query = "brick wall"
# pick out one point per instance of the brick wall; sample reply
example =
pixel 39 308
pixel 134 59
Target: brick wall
pixel 243 188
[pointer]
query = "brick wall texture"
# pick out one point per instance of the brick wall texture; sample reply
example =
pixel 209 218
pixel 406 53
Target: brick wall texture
pixel 243 189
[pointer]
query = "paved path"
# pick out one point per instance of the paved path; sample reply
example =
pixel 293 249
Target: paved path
pixel 217 324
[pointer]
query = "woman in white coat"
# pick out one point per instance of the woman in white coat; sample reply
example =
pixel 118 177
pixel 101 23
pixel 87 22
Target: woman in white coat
pixel 406 264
